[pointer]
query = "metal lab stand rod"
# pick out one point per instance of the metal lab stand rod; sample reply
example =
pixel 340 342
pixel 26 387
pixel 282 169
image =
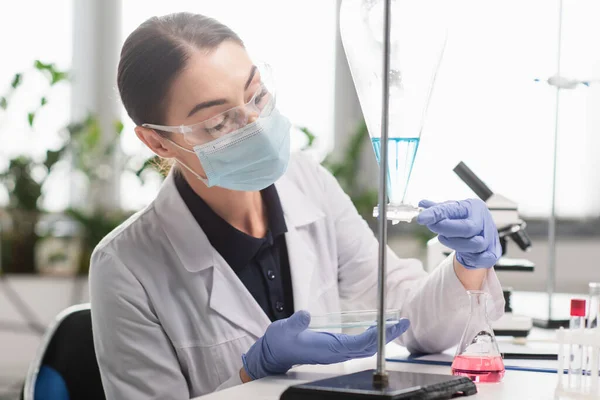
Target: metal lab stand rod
pixel 380 377
pixel 551 277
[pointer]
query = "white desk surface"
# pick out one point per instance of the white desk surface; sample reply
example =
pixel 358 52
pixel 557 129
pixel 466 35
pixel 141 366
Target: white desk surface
pixel 515 385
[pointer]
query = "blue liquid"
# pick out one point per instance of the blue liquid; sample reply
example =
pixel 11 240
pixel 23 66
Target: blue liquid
pixel 401 157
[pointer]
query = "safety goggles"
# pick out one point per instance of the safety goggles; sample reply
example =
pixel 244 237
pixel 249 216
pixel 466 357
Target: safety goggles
pixel 261 103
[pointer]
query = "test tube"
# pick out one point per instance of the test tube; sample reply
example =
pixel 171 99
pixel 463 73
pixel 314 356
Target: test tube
pixel 577 322
pixel 594 306
pixel 594 323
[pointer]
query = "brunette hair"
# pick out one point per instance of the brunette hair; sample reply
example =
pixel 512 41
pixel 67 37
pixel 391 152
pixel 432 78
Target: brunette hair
pixel 152 57
pixel 155 53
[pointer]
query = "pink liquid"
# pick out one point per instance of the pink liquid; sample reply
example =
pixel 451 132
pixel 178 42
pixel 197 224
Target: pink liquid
pixel 479 369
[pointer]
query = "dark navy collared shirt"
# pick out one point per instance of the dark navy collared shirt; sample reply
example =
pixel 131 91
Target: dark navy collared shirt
pixel 262 264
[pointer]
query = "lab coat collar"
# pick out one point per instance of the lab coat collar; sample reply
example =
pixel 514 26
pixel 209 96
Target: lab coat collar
pixel 196 253
pixel 232 300
pixel 190 242
pixel 229 297
pixel 298 209
pixel 185 235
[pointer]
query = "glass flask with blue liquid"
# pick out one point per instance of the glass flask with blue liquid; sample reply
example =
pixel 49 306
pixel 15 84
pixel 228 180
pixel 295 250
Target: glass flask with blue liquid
pixel 418 40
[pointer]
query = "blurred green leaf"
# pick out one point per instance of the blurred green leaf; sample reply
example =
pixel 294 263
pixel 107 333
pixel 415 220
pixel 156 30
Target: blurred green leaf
pixel 50 70
pixel 309 135
pixel 365 201
pixel 110 148
pixel 92 138
pixel 3 103
pixel 118 127
pixel 336 169
pixel 43 101
pixel 30 118
pixel 25 190
pixel 76 128
pixel 16 81
pixel 52 157
pixel 57 76
pixel 40 66
pixel 347 169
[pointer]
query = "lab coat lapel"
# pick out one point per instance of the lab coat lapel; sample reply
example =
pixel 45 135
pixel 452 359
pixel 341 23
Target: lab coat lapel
pixel 300 212
pixel 302 263
pixel 229 297
pixel 185 235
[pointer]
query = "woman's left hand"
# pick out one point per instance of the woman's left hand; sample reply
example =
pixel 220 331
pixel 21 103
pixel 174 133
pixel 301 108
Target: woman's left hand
pixel 465 226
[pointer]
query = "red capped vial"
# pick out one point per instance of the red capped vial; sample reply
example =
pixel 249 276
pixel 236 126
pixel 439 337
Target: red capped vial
pixel 577 308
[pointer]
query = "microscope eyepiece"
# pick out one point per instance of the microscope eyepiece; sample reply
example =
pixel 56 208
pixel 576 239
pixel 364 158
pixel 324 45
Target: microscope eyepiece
pixel 473 181
pixel 521 238
pixel 515 231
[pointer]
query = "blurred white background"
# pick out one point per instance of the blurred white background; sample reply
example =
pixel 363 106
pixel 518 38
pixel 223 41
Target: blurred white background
pixel 487 110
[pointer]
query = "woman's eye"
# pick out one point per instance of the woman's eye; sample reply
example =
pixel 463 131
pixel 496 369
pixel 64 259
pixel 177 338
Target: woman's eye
pixel 217 127
pixel 261 96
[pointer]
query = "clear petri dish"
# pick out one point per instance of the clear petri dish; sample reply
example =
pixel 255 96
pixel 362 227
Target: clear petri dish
pixel 351 322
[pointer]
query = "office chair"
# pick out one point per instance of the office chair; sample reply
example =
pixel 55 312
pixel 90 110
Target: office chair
pixel 66 360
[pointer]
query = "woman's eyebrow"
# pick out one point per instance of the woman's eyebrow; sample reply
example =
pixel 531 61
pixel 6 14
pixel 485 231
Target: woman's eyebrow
pixel 206 104
pixel 252 73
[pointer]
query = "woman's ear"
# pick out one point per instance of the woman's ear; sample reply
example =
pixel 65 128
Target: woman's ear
pixel 154 141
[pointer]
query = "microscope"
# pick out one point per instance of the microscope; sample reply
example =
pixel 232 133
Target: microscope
pixel 510 228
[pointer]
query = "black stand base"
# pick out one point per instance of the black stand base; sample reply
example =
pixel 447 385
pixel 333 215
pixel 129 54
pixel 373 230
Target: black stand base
pixel 402 386
pixel 509 332
pixel 549 323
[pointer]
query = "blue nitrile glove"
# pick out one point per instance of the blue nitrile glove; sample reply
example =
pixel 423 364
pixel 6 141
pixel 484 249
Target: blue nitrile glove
pixel 288 342
pixel 465 226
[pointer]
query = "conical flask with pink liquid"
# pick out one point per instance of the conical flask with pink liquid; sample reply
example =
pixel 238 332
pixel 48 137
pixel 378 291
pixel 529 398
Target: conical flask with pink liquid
pixel 477 355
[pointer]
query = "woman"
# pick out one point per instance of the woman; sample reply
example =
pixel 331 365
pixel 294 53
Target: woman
pixel 211 285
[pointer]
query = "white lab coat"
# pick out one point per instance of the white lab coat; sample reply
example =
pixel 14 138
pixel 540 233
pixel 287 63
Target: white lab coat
pixel 171 319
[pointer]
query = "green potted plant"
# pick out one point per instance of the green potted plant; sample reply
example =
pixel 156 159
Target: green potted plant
pixel 19 238
pixel 87 154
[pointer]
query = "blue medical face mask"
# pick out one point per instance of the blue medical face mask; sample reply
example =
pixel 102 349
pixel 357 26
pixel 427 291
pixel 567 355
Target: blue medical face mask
pixel 249 159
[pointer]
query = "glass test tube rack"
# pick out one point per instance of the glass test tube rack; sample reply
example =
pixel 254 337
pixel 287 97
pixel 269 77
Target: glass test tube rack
pixel 587 384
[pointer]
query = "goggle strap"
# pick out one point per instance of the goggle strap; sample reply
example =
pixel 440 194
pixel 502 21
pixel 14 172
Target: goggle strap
pixel 181 147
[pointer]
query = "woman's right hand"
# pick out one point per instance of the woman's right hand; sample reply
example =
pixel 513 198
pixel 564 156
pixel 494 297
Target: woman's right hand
pixel 289 342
